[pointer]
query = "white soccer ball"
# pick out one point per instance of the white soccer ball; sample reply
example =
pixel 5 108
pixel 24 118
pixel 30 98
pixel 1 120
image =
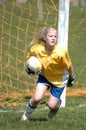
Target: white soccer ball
pixel 34 64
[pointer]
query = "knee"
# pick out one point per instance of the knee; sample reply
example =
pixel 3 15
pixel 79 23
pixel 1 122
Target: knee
pixel 35 100
pixel 52 106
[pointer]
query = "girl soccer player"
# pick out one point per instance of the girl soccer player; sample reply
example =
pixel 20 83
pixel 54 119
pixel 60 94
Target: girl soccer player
pixel 55 60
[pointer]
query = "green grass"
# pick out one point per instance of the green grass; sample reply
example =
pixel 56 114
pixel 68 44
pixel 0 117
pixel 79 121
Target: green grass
pixel 72 117
pixel 18 29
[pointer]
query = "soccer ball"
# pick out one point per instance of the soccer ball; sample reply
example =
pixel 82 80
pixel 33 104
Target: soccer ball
pixel 34 64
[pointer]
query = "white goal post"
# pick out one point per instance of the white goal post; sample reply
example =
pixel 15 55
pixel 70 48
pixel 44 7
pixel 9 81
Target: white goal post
pixel 63 23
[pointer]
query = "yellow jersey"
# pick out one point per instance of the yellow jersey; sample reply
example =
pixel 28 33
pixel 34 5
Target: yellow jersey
pixel 54 63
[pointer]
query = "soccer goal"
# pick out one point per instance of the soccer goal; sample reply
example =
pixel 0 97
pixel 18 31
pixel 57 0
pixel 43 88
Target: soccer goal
pixel 19 24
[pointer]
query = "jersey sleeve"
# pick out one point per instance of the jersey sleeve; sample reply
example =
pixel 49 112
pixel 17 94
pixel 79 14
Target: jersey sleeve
pixel 33 51
pixel 30 53
pixel 66 60
pixel 28 56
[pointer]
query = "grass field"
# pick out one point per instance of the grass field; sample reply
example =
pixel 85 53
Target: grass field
pixel 14 43
pixel 72 117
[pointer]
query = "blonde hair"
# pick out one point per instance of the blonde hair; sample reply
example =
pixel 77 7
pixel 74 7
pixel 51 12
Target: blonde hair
pixel 40 37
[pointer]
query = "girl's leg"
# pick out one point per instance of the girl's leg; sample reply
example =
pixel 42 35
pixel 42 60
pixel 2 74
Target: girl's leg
pixel 33 102
pixel 54 100
pixel 38 94
pixel 54 105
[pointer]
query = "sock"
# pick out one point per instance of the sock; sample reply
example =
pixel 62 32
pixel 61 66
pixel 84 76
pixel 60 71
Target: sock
pixel 30 108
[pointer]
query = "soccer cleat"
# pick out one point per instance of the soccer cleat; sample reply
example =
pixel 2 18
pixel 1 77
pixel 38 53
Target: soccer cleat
pixel 25 116
pixel 52 113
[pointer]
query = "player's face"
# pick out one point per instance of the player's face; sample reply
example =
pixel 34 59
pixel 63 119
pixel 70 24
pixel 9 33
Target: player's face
pixel 51 37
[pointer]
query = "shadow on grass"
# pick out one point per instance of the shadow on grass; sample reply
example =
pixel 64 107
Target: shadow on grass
pixel 32 119
pixel 39 119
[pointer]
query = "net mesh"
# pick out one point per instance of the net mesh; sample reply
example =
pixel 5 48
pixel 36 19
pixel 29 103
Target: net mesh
pixel 19 23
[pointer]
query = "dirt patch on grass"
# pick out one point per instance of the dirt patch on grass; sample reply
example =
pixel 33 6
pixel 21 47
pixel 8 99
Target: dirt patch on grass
pixel 76 92
pixel 14 98
pixel 69 92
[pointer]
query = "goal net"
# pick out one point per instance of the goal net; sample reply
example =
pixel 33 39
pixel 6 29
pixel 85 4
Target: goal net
pixel 19 23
